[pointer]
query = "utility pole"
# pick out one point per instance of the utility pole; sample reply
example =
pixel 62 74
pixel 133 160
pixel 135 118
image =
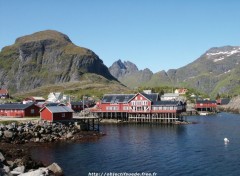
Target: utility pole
pixel 83 105
pixel 83 101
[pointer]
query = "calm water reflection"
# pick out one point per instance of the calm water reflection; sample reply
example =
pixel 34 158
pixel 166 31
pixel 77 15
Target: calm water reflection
pixel 196 149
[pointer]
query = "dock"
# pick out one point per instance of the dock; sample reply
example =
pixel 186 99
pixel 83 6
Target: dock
pixel 169 118
pixel 90 123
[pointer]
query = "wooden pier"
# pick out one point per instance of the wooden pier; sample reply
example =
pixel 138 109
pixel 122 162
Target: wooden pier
pixel 142 117
pixel 90 123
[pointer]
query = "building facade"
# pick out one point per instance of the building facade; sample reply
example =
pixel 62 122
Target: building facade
pixel 140 107
pixel 19 110
pixel 4 93
pixel 206 105
pixel 56 113
pixel 78 106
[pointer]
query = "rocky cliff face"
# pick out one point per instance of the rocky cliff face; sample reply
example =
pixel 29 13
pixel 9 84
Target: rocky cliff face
pixel 47 57
pixel 232 106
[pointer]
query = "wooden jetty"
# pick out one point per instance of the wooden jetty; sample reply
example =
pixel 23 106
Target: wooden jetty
pixel 87 122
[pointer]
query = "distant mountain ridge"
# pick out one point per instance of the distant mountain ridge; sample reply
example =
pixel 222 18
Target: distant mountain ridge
pixel 216 71
pixel 128 73
pixel 47 58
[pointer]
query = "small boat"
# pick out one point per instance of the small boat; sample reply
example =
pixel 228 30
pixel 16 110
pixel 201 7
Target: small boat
pixel 203 113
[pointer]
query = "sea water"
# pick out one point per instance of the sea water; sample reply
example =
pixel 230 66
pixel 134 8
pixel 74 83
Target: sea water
pixel 141 149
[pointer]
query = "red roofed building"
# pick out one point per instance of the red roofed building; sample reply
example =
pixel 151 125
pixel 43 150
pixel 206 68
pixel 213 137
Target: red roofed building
pixel 56 113
pixel 4 93
pixel 181 91
pixel 206 105
pixel 140 107
pixel 33 100
pixel 19 110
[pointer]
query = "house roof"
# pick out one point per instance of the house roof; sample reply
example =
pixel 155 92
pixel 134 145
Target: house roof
pixel 77 103
pixel 3 91
pixel 38 98
pixel 58 109
pixel 205 101
pixel 125 98
pixel 15 106
pixel 166 103
pixel 151 96
pixel 225 101
pixel 170 95
pixel 117 98
pixel 86 102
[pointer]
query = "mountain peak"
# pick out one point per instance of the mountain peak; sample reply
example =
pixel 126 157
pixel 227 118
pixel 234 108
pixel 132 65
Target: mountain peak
pixel 120 64
pixel 131 67
pixel 44 35
pixel 47 58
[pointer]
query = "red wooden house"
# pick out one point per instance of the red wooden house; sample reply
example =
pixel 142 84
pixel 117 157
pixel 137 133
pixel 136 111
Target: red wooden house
pixel 78 106
pixel 140 105
pixel 206 105
pixel 56 113
pixel 19 110
pixel 4 93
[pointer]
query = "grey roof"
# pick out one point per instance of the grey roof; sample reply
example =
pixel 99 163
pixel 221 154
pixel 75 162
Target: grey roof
pixel 86 102
pixel 170 95
pixel 77 103
pixel 59 109
pixel 206 101
pixel 117 98
pixel 15 106
pixel 152 96
pixel 166 103
pixel 125 98
pixel 225 101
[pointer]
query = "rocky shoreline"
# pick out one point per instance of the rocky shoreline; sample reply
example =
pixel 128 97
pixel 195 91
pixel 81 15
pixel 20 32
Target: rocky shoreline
pixel 17 140
pixel 233 106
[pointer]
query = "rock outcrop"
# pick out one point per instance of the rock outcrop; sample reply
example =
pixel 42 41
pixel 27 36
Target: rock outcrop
pixel 17 139
pixel 45 58
pixel 40 132
pixel 25 166
pixel 232 106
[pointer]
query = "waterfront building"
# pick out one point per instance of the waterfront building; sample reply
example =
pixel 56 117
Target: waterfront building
pixel 56 113
pixel 206 106
pixel 19 110
pixel 140 107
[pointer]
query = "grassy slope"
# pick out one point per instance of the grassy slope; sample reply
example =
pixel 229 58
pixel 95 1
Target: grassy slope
pixel 90 84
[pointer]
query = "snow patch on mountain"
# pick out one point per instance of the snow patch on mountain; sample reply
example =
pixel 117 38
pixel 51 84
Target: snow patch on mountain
pixel 219 59
pixel 227 71
pixel 220 54
pixel 227 53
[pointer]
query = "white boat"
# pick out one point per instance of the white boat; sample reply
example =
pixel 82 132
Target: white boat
pixel 203 113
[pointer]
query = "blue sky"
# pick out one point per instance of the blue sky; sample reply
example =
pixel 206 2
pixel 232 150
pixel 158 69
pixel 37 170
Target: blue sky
pixel 155 34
